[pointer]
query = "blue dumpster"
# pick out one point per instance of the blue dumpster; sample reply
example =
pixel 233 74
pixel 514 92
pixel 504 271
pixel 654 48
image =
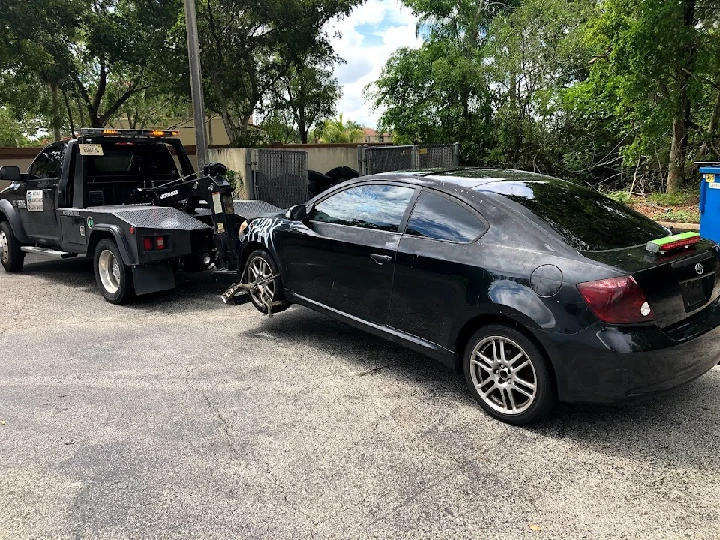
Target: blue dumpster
pixel 710 202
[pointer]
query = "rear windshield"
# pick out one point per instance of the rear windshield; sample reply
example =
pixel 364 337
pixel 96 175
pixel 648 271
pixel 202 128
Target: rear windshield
pixel 587 220
pixel 133 160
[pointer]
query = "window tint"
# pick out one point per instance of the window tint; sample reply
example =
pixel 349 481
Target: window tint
pixel 131 159
pixel 371 206
pixel 441 219
pixel 587 220
pixel 49 163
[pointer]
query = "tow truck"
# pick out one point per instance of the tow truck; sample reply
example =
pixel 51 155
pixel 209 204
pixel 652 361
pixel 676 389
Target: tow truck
pixel 131 201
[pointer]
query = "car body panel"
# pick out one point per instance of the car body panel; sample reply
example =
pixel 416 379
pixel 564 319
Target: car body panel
pixel 518 271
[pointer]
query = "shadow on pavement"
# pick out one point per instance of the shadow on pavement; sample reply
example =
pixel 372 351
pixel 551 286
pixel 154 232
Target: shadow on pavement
pixel 679 426
pixel 192 289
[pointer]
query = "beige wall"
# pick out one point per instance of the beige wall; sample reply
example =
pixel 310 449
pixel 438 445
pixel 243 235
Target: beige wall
pixel 215 127
pixel 233 159
pixel 324 159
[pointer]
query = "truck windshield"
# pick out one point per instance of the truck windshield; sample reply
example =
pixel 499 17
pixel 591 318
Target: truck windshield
pixel 132 160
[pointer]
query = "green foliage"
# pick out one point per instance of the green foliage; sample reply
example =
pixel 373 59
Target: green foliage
pixel 620 196
pixel 335 131
pixel 607 93
pixel 65 58
pixel 249 46
pixel 278 127
pixel 307 93
pixel 235 179
pixel 11 133
pixel 675 199
pixel 679 216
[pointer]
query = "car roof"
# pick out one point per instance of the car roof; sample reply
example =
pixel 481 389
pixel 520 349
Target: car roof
pixel 464 178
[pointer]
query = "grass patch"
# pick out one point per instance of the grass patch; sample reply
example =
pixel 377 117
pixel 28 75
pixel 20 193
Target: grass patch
pixel 620 196
pixel 679 215
pixel 674 199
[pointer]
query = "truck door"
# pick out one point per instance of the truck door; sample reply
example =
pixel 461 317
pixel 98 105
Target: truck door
pixel 39 217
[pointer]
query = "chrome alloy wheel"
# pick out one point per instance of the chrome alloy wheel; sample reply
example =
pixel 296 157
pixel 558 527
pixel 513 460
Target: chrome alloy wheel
pixel 4 249
pixel 258 271
pixel 109 270
pixel 503 375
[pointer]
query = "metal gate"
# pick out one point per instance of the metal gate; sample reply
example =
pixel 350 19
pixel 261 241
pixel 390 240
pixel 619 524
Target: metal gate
pixel 279 177
pixel 377 159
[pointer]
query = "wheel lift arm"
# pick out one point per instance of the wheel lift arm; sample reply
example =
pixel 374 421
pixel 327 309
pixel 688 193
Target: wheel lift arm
pixel 212 188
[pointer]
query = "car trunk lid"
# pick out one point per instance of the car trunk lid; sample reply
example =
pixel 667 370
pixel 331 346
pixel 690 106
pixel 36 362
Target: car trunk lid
pixel 676 284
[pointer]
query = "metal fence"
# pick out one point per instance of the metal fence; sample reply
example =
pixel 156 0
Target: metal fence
pixel 278 177
pixel 377 159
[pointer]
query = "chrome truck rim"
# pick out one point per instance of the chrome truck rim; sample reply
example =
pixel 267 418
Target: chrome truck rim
pixel 109 270
pixel 503 375
pixel 3 247
pixel 259 271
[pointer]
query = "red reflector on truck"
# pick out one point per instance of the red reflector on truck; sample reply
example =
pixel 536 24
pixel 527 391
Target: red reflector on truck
pixel 617 300
pixel 147 243
pixel 160 242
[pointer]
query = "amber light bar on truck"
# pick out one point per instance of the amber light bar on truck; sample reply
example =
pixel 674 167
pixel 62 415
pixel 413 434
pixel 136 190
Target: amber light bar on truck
pixel 130 132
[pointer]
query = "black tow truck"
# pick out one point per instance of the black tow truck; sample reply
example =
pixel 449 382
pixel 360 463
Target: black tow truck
pixel 129 199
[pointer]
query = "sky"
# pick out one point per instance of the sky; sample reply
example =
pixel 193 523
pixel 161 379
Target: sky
pixel 368 36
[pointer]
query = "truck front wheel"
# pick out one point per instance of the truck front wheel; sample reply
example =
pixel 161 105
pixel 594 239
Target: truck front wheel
pixel 113 277
pixel 10 255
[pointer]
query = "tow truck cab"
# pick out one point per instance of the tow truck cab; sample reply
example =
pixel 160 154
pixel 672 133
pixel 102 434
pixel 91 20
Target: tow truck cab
pixel 79 193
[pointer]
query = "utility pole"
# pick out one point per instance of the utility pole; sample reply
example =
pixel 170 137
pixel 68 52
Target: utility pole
pixel 198 98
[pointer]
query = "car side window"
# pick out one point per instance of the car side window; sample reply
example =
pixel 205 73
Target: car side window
pixel 372 206
pixel 49 163
pixel 442 219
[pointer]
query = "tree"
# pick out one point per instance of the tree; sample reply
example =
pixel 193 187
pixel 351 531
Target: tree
pixel 336 131
pixel 248 46
pixel 98 54
pixel 657 62
pixel 308 92
pixel 278 127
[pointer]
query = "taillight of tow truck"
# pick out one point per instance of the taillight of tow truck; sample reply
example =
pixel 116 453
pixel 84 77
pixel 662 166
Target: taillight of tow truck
pixel 154 242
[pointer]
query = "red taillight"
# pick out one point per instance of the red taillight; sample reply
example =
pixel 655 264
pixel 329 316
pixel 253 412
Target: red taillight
pixel 617 300
pixel 160 242
pixel 148 243
pixel 679 244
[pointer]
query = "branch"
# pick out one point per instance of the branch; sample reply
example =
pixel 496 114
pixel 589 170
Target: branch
pixel 119 103
pixel 704 79
pixel 102 85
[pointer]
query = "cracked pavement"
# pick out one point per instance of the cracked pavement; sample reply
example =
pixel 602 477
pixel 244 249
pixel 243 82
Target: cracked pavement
pixel 180 416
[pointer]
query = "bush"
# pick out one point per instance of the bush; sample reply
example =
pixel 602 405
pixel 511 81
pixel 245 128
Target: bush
pixel 620 196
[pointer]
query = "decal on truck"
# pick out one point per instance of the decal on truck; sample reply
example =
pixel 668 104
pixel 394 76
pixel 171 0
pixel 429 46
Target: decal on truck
pixel 34 199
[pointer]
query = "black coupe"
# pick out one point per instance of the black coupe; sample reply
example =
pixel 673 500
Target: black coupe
pixel 537 289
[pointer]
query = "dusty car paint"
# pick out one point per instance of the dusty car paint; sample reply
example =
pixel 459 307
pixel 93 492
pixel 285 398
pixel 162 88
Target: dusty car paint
pixel 431 294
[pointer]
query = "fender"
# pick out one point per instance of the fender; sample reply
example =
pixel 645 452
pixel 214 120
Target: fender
pixel 102 230
pixel 12 215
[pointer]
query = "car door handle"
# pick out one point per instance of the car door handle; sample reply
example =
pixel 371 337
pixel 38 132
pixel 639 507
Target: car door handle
pixel 380 259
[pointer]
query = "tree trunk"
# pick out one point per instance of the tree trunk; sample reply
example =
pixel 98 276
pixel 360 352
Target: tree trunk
pixel 69 113
pixel 678 146
pixel 302 127
pixel 55 113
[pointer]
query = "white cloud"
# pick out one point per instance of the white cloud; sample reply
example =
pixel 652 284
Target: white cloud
pixel 372 32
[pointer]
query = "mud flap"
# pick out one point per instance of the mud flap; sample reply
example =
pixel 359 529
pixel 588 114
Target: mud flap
pixel 153 278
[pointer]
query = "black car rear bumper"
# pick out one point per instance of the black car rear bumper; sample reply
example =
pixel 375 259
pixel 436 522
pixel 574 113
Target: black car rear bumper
pixel 611 364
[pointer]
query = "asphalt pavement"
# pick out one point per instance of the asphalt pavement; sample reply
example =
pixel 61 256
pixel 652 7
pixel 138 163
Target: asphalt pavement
pixel 180 416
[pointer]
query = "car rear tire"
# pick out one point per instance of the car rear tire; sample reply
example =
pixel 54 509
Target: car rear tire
pixel 113 277
pixel 11 256
pixel 261 265
pixel 508 375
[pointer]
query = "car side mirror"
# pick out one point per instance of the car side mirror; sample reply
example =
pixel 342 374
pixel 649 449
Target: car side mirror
pixel 11 173
pixel 297 213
